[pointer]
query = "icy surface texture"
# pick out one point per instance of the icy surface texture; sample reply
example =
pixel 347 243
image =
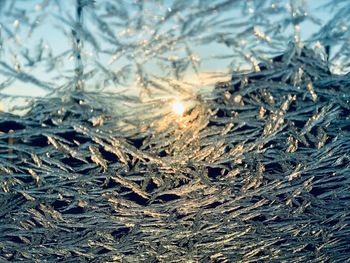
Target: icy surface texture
pixel 258 170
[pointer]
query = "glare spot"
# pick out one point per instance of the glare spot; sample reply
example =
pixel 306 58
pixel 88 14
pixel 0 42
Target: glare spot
pixel 195 58
pixel 178 108
pixel 16 23
pixel 318 44
pixel 38 7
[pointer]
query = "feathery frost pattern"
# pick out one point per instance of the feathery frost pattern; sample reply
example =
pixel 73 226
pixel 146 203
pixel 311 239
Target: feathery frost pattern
pixel 253 167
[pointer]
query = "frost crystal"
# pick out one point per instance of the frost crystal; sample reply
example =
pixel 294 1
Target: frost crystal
pixel 253 169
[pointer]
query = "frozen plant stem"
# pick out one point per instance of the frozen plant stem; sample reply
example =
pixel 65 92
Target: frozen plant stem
pixel 79 68
pixel 296 18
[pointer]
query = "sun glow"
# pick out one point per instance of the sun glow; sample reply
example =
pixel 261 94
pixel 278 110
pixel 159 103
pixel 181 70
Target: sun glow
pixel 178 108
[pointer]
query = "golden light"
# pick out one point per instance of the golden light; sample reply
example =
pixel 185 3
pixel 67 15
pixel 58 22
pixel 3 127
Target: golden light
pixel 178 108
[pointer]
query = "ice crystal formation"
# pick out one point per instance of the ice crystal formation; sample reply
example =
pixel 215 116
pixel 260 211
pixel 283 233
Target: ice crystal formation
pixel 257 169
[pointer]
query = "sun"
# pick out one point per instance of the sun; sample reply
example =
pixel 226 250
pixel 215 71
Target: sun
pixel 178 108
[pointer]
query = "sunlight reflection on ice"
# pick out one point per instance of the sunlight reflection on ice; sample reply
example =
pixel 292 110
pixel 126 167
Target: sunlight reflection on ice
pixel 178 108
